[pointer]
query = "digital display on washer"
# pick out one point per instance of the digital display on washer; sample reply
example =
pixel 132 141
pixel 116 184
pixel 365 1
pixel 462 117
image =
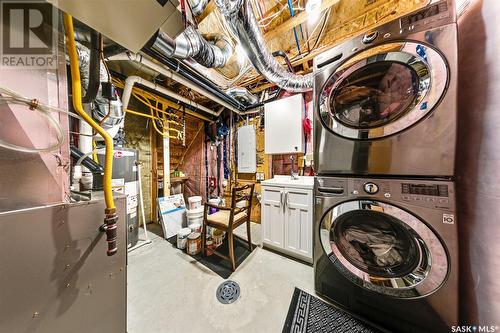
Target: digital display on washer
pixel 421 189
pixel 424 14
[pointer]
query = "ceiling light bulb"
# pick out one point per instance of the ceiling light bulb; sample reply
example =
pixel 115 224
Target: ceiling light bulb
pixel 313 9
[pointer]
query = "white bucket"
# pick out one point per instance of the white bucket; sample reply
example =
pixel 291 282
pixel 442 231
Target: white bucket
pixel 195 227
pixel 182 236
pixel 194 202
pixel 195 216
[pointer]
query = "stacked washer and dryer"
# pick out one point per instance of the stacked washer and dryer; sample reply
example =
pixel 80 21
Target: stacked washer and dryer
pixel 385 233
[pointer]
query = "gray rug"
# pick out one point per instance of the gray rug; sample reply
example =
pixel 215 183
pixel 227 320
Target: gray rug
pixel 308 314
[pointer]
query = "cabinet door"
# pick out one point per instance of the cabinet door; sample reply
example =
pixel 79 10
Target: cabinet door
pixel 298 221
pixel 273 217
pixel 284 132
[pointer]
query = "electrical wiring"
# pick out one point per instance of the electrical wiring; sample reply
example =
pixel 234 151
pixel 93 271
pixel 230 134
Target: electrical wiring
pixel 274 16
pixel 321 31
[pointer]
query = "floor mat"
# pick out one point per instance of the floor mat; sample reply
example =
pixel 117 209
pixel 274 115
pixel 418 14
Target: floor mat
pixel 217 264
pixel 310 314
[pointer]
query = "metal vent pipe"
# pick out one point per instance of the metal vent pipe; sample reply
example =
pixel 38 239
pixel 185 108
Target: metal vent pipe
pixel 241 21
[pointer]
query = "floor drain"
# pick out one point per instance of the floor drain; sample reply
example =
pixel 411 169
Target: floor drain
pixel 228 292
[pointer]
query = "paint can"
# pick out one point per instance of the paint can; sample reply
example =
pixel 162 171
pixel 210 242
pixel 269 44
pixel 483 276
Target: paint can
pixel 195 227
pixel 218 237
pixel 182 236
pixel 194 243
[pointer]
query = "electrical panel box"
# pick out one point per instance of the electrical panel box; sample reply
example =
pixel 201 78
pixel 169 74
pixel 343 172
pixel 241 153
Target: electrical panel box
pixel 283 125
pixel 247 151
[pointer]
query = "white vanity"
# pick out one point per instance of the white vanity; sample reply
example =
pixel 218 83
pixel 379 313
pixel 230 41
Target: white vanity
pixel 287 215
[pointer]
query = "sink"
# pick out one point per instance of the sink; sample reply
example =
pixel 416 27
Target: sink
pixel 279 180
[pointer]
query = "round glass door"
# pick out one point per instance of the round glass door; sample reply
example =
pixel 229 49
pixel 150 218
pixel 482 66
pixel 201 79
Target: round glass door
pixel 383 93
pixel 384 248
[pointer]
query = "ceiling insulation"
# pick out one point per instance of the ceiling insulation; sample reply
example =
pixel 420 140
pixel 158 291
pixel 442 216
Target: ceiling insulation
pixel 344 19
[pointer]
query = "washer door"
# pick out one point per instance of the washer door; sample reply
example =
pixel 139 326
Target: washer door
pixel 383 248
pixel 383 90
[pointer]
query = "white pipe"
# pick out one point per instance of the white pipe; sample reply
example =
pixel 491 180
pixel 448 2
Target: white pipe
pixel 141 203
pixel 132 80
pixel 176 77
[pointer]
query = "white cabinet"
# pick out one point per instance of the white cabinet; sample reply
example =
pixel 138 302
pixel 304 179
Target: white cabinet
pixel 283 132
pixel 287 220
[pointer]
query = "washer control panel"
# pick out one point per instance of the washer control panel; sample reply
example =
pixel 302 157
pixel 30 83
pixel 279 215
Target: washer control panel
pixel 424 193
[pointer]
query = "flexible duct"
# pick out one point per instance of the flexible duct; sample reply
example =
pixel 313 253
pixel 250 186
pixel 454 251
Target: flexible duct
pixel 100 104
pixel 94 68
pixel 241 21
pixel 242 95
pixel 190 44
pixel 198 6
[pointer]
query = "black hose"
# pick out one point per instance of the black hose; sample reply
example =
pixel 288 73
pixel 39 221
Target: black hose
pixel 94 68
pixel 87 162
pixel 287 60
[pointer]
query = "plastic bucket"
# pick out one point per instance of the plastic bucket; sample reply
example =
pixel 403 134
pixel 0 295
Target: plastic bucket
pixel 195 216
pixel 194 202
pixel 182 236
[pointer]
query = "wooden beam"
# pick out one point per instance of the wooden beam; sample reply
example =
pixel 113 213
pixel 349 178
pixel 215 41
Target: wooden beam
pixel 208 10
pixel 298 19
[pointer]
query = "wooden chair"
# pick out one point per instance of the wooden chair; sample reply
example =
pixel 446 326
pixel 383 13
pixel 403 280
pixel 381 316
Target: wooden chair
pixel 229 218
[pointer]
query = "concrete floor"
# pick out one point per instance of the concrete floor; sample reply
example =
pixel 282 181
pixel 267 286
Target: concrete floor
pixel 170 292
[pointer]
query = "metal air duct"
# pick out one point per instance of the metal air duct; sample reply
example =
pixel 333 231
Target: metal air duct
pixel 242 95
pixel 191 44
pixel 198 6
pixel 100 105
pixel 241 20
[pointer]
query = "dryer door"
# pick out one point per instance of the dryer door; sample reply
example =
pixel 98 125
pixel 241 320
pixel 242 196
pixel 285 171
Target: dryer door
pixel 384 248
pixel 383 90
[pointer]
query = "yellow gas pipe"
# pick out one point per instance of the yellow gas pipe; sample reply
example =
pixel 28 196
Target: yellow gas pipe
pixel 110 212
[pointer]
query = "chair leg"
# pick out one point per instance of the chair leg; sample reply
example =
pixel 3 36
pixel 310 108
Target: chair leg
pixel 231 249
pixel 203 239
pixel 249 236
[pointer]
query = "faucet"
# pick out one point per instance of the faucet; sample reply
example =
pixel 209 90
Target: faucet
pixel 293 175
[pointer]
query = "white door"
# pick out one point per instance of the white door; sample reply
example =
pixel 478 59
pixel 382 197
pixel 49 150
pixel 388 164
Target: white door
pixel 273 219
pixel 298 220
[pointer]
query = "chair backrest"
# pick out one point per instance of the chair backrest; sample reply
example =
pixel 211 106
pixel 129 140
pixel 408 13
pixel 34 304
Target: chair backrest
pixel 242 194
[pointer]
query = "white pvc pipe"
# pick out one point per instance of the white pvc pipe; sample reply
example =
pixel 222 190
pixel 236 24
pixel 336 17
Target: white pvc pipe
pixel 132 80
pixel 141 203
pixel 176 77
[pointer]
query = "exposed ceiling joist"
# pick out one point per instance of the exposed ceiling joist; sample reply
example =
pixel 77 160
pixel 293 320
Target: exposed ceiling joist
pixel 298 19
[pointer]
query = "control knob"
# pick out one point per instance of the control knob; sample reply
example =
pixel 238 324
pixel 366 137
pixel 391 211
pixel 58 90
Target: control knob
pixel 370 188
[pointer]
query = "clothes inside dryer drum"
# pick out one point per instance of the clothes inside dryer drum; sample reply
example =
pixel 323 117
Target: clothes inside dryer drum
pixel 376 243
pixel 375 95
